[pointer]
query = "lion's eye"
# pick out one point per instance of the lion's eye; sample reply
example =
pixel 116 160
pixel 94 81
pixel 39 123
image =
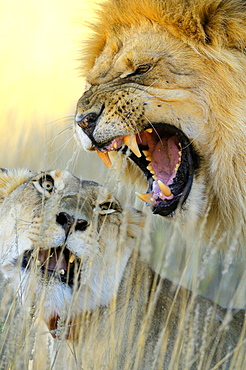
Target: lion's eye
pixel 107 208
pixel 47 183
pixel 141 70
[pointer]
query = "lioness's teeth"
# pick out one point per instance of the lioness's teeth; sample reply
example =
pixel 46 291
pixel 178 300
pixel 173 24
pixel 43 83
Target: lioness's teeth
pixel 115 145
pixel 149 130
pixel 72 258
pixel 164 188
pixel 105 158
pixel 147 198
pixel 38 262
pixel 61 272
pixel 131 142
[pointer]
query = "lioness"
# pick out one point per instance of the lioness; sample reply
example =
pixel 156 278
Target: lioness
pixel 166 85
pixel 71 253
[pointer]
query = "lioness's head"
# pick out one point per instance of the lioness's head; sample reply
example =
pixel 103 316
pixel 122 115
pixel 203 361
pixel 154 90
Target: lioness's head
pixel 63 240
pixel 166 85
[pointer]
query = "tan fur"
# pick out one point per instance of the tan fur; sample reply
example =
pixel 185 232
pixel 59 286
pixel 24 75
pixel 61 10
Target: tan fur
pixel 197 82
pixel 122 315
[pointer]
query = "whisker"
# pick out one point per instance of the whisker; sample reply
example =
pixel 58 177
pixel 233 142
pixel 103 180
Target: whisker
pixel 51 142
pixel 73 158
pixel 61 120
pixel 62 147
pixel 151 124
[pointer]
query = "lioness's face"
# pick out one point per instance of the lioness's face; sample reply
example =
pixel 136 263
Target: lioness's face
pixel 147 94
pixel 61 239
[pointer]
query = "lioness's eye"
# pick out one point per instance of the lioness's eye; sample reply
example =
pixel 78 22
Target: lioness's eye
pixel 141 69
pixel 47 183
pixel 107 208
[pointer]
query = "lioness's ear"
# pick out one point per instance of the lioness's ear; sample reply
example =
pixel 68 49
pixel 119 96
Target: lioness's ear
pixel 11 179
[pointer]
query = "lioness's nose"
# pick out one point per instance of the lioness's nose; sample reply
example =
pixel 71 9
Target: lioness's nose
pixel 67 221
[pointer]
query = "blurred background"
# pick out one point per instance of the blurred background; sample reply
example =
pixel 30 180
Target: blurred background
pixel 39 86
pixel 40 83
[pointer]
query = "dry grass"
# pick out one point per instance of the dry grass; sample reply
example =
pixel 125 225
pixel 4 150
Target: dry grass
pixel 39 88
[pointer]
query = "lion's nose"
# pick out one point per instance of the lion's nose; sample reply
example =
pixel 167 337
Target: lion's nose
pixel 87 120
pixel 67 221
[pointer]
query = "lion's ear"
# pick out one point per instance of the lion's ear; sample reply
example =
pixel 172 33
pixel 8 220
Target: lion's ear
pixel 11 179
pixel 223 22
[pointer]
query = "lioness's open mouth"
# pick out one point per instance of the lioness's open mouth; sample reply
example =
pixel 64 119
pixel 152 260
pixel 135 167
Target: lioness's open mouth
pixel 168 160
pixel 58 263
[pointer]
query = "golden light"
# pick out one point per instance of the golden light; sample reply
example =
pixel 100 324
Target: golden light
pixel 40 83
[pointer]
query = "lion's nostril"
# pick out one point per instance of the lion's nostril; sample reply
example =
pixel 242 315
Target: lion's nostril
pixel 81 224
pixel 87 121
pixel 79 118
pixel 65 220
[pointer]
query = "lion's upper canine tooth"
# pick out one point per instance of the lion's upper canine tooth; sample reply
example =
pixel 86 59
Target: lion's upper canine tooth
pixel 38 262
pixel 164 188
pixel 61 272
pixel 147 198
pixel 105 158
pixel 72 258
pixel 149 130
pixel 131 142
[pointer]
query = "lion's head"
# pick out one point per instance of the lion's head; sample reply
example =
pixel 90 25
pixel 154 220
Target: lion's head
pixel 54 229
pixel 166 85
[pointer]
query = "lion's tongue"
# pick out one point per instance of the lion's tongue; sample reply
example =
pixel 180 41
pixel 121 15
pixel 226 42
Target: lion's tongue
pixel 165 156
pixel 53 260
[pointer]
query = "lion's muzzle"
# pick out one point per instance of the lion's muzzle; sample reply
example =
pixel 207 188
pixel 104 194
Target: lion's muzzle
pixel 87 115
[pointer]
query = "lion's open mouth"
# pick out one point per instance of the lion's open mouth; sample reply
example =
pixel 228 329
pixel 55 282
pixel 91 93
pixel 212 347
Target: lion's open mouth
pixel 58 263
pixel 168 160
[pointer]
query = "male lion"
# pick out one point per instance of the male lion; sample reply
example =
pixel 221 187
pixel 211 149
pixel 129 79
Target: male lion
pixel 167 86
pixel 71 253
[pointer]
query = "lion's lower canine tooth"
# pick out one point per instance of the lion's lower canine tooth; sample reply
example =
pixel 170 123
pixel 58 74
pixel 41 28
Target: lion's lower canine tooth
pixel 164 188
pixel 38 263
pixel 61 272
pixel 72 258
pixel 149 130
pixel 131 142
pixel 105 158
pixel 147 198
